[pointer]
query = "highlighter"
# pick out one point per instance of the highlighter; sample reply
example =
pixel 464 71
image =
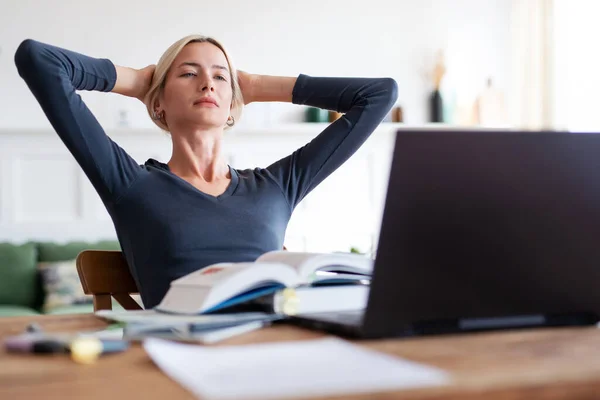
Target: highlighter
pixel 86 350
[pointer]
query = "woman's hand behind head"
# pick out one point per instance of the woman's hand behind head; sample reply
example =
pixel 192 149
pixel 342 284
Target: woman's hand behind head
pixel 144 80
pixel 133 82
pixel 247 84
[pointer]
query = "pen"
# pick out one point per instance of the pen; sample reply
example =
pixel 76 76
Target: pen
pixel 35 344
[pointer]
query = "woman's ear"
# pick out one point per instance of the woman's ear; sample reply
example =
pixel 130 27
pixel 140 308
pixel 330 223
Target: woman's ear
pixel 156 106
pixel 157 111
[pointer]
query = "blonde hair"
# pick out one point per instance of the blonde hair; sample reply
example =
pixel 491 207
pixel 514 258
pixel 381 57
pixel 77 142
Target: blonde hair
pixel 164 65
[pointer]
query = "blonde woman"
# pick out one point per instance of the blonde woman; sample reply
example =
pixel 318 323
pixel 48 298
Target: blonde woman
pixel 177 217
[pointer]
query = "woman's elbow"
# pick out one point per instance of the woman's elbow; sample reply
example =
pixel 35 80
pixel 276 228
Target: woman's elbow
pixel 390 88
pixel 26 55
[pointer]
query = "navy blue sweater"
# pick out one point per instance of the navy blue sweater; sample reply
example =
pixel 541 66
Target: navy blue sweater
pixel 166 227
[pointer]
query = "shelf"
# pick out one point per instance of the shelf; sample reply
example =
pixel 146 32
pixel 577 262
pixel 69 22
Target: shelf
pixel 301 129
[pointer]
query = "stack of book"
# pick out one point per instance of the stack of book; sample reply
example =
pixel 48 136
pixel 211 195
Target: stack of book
pixel 228 298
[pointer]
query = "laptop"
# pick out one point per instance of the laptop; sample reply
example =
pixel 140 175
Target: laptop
pixel 483 230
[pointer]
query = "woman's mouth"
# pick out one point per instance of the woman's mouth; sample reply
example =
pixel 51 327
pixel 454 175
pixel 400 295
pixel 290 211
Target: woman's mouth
pixel 206 102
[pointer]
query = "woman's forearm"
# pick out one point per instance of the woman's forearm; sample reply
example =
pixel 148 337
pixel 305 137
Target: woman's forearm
pixel 54 75
pixel 127 82
pixel 273 88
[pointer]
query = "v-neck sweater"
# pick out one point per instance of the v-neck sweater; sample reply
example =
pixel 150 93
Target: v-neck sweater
pixel 166 227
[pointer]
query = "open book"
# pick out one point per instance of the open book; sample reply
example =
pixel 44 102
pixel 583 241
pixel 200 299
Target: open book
pixel 223 285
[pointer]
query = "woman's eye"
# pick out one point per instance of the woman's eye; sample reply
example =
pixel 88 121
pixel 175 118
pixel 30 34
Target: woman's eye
pixel 187 74
pixel 221 77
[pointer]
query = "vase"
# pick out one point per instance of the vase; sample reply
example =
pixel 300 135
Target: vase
pixel 436 107
pixel 314 114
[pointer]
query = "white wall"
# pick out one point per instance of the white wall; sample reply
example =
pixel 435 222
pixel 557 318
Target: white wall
pixel 334 37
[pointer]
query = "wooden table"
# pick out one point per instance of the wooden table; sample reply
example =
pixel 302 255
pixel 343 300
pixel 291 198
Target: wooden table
pixel 536 364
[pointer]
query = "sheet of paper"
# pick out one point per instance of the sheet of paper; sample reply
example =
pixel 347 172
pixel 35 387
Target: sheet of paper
pixel 155 317
pixel 318 367
pixel 107 334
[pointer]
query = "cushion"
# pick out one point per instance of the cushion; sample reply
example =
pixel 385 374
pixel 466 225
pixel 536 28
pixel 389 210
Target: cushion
pixel 75 309
pixel 62 285
pixel 16 311
pixel 50 251
pixel 18 275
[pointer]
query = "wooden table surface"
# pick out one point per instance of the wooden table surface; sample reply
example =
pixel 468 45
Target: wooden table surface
pixel 535 364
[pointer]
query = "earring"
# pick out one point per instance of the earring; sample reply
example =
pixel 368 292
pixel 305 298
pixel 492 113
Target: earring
pixel 157 116
pixel 230 124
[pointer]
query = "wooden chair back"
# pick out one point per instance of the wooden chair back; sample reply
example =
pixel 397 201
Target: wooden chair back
pixel 105 274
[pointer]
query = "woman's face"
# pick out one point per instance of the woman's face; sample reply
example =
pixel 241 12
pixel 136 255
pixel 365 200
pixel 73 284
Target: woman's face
pixel 198 88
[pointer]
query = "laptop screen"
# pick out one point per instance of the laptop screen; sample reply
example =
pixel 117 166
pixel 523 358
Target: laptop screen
pixel 487 224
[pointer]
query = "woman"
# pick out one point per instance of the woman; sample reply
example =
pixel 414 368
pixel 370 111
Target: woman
pixel 175 218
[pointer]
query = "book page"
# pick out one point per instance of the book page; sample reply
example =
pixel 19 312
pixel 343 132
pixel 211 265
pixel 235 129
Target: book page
pixel 308 263
pixel 226 273
pixel 321 367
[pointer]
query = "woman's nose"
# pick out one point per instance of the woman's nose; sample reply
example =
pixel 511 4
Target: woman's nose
pixel 207 85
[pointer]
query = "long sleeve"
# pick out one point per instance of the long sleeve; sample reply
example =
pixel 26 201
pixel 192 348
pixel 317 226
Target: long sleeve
pixel 365 102
pixel 53 75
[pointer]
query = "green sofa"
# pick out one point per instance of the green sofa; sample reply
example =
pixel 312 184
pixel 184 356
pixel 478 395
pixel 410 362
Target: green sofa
pixel 21 286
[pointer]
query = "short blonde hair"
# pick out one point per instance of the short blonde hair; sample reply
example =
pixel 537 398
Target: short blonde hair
pixel 164 65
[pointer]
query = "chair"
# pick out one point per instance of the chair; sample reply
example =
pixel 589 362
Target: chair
pixel 105 274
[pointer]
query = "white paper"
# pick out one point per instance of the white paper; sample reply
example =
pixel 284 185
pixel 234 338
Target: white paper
pixel 319 367
pixel 105 334
pixel 155 317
